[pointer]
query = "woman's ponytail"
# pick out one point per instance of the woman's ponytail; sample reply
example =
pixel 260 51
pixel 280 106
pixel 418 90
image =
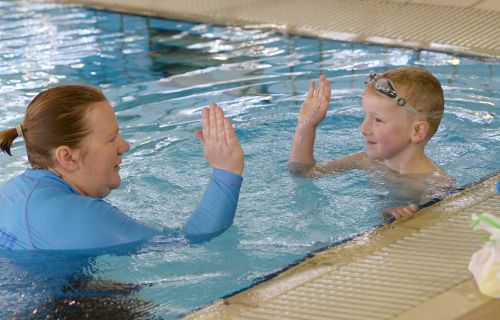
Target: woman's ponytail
pixel 7 137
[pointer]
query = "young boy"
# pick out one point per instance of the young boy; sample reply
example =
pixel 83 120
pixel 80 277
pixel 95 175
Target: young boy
pixel 403 108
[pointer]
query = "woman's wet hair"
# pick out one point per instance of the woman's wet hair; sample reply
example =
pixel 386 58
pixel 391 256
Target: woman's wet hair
pixel 55 117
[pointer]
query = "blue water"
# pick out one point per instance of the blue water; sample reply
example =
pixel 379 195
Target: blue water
pixel 158 74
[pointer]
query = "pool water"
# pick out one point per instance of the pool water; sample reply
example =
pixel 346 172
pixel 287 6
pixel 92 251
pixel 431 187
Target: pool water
pixel 159 74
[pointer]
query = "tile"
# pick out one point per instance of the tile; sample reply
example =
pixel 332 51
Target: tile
pixel 452 3
pixel 488 5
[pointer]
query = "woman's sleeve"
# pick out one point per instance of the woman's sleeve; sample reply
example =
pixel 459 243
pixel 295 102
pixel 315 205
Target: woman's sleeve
pixel 215 212
pixel 76 222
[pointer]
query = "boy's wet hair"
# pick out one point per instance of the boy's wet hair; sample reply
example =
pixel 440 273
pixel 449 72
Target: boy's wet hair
pixel 421 89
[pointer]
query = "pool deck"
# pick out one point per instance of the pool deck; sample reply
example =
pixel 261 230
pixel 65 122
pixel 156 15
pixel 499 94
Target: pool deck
pixel 461 26
pixel 405 271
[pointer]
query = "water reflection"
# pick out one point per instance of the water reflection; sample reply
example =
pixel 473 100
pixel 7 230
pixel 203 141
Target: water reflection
pixel 158 74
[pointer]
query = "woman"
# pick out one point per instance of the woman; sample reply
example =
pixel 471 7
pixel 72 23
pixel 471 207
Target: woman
pixel 75 150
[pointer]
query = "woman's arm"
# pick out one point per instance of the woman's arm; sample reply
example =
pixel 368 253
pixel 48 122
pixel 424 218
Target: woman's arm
pixel 216 210
pixel 217 207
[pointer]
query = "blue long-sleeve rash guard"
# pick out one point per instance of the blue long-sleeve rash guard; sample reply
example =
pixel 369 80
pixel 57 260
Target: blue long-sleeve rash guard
pixel 39 210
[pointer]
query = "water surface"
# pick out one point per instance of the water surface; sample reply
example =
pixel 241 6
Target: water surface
pixel 159 74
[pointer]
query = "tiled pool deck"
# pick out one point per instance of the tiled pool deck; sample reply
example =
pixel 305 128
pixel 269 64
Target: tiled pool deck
pixel 411 270
pixel 465 26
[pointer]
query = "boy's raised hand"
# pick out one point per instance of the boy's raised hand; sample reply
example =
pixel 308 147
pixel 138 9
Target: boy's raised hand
pixel 311 113
pixel 314 108
pixel 222 149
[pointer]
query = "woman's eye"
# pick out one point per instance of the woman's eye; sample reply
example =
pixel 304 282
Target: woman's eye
pixel 378 120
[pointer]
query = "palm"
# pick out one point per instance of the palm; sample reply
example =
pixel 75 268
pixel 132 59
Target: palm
pixel 222 149
pixel 314 108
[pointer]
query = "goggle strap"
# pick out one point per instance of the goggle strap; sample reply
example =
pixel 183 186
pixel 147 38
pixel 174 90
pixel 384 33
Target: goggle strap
pixel 374 77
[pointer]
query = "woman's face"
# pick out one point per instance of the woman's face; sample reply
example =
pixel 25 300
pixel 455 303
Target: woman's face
pixel 101 153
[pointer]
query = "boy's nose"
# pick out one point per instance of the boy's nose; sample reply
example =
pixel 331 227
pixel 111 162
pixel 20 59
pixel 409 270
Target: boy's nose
pixel 364 128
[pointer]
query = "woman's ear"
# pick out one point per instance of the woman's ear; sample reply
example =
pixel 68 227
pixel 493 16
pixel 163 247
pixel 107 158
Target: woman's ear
pixel 420 131
pixel 67 158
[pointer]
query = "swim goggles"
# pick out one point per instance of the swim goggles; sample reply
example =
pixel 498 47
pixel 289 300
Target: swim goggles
pixel 385 87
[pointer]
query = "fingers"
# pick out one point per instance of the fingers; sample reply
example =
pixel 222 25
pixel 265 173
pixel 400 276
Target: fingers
pixel 230 135
pixel 310 93
pixel 323 92
pixel 404 213
pixel 221 131
pixel 321 86
pixel 401 213
pixel 328 89
pixel 199 134
pixel 206 122
pixel 212 122
pixel 214 125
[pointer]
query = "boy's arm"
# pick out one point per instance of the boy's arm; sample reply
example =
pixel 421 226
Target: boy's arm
pixel 357 160
pixel 312 112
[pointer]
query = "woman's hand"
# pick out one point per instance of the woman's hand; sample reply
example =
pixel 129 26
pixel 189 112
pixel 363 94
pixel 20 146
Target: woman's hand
pixel 402 213
pixel 314 108
pixel 222 149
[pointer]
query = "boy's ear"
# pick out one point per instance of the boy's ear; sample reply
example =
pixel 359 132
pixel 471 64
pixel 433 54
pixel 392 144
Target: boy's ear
pixel 420 131
pixel 67 158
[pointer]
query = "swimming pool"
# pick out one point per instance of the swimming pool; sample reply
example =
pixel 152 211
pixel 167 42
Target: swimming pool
pixel 158 75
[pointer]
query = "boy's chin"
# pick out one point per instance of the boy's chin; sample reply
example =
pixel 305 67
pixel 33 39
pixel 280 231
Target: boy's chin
pixel 372 155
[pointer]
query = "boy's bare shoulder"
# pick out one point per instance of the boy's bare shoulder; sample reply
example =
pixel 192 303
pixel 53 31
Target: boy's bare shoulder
pixel 440 178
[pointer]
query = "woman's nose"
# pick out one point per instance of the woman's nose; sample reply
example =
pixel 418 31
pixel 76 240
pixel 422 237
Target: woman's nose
pixel 124 146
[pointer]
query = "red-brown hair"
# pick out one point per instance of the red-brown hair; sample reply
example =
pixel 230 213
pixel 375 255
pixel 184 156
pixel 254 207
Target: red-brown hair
pixel 55 117
pixel 420 88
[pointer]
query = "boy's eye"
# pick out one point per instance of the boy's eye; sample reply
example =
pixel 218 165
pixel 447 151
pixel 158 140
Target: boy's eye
pixel 378 120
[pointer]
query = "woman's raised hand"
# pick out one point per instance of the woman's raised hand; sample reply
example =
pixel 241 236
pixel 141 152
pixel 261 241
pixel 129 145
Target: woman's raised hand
pixel 222 149
pixel 314 108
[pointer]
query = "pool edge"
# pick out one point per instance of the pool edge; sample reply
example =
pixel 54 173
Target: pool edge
pixel 463 294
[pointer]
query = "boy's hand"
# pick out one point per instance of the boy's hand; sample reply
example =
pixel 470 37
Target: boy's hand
pixel 402 213
pixel 316 105
pixel 222 149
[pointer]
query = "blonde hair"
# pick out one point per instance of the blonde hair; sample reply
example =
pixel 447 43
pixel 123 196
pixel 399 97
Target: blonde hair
pixel 421 89
pixel 55 117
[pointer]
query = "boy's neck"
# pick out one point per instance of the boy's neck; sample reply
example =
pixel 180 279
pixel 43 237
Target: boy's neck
pixel 411 162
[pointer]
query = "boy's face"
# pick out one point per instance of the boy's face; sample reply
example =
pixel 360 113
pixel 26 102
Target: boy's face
pixel 386 128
